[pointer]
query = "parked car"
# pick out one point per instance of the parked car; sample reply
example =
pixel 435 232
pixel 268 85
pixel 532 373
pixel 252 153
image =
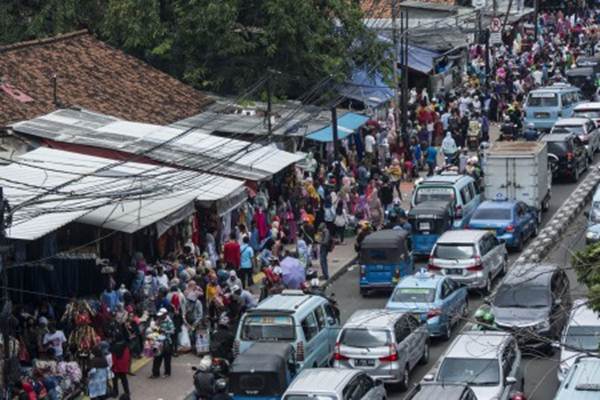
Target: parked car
pixel 474 258
pixel 385 344
pixel 569 155
pixel 308 322
pixel 461 190
pixel 584 128
pixel 446 391
pixel 513 221
pixel 334 384
pixel 533 302
pixel 588 110
pixel 581 383
pixel 437 300
pixel 581 336
pixel 592 234
pixel 545 105
pixel 488 361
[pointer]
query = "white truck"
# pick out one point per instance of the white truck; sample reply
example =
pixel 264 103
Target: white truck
pixel 518 171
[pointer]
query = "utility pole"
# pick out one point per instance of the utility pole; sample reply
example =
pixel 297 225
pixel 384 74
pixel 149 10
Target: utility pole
pixel 5 315
pixel 269 104
pixel 536 13
pixel 405 80
pixel 334 130
pixel 395 69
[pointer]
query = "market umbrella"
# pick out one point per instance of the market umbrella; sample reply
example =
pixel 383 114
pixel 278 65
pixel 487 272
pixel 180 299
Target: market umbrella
pixel 293 272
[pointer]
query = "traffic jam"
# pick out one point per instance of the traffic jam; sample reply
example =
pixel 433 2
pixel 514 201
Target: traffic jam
pixel 436 304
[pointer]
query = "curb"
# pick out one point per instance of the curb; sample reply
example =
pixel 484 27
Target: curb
pixel 337 274
pixel 541 246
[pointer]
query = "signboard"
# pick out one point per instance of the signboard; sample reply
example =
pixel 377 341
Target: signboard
pixel 495 38
pixel 496 25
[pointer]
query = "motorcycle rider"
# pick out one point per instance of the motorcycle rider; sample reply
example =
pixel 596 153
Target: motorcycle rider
pixel 204 380
pixel 507 130
pixel 221 342
pixel 449 148
pixel 530 133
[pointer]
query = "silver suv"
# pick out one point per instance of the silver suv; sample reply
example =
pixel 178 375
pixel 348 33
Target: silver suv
pixel 581 336
pixel 334 384
pixel 386 344
pixel 488 361
pixel 471 257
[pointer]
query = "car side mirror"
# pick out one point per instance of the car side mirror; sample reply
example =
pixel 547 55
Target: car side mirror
pixel 556 345
pixel 194 369
pixel 502 241
pixel 557 302
pixel 378 382
pixel 510 380
pixel 331 320
pixel 428 378
pixel 587 214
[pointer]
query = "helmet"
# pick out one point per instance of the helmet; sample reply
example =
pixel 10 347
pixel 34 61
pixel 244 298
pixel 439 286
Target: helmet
pixel 205 364
pixel 224 320
pixel 531 125
pixel 488 318
pixel 479 315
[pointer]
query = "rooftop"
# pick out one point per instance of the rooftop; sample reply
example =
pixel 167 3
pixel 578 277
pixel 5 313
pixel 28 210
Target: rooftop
pixel 477 344
pixel 374 318
pixel 91 74
pixel 461 236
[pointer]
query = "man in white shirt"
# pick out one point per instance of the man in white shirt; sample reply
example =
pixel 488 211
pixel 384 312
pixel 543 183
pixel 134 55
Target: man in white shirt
pixel 55 339
pixel 369 148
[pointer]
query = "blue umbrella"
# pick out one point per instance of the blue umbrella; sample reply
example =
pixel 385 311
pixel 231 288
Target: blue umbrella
pixel 293 272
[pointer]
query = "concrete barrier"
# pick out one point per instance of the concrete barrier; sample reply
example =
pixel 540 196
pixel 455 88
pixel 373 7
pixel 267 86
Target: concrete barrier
pixel 539 248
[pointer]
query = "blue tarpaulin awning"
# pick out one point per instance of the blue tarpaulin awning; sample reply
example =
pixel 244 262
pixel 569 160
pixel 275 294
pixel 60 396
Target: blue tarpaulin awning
pixel 419 59
pixel 370 89
pixel 347 124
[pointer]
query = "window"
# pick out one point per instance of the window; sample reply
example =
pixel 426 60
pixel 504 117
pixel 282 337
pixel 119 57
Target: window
pixel 446 289
pixel 365 383
pixel 331 315
pixel 484 246
pixel 402 329
pixel 350 388
pixel 453 251
pixel 472 192
pixel 320 317
pixel 310 327
pixel 365 338
pixel 413 323
pixel 508 359
pixel 465 194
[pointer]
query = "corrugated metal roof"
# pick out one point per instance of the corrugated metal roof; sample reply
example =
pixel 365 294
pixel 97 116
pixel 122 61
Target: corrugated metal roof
pixel 126 197
pixel 196 150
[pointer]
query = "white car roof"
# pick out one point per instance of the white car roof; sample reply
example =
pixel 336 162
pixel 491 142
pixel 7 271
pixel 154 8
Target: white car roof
pixel 571 121
pixel 583 315
pixel 461 236
pixel 587 106
pixel 478 344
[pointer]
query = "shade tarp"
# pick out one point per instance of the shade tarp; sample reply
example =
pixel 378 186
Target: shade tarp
pixel 49 188
pixel 419 59
pixel 347 124
pixel 370 89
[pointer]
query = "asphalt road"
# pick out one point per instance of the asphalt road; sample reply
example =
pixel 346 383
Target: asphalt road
pixel 540 374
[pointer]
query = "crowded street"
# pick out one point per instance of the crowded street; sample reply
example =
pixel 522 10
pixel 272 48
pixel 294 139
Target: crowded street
pixel 356 200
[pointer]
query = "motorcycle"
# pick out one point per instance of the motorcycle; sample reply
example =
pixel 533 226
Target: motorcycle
pixel 452 158
pixel 209 377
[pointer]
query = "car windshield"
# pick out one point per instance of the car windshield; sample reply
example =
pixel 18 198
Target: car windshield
pixel 472 371
pixel 522 296
pixel 576 129
pixel 451 251
pixel 592 114
pixel 493 213
pixel 268 328
pixel 586 338
pixel 558 148
pixel 308 397
pixel 542 100
pixel 365 337
pixel 413 295
pixel 434 193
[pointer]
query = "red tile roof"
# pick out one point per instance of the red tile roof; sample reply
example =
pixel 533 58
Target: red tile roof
pixel 383 8
pixel 92 75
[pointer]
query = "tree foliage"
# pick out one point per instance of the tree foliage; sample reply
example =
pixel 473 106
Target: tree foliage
pixel 587 265
pixel 219 45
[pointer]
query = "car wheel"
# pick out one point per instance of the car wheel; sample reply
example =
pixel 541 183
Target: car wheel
pixel 465 310
pixel 447 332
pixel 405 379
pixel 545 205
pixel 536 230
pixel 425 358
pixel 363 292
pixel 519 246
pixel 504 268
pixel 576 175
pixel 488 285
pixel 586 165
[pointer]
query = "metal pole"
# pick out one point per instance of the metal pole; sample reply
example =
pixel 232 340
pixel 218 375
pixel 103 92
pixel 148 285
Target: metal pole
pixel 405 82
pixel 395 68
pixel 269 105
pixel 334 130
pixel 536 6
pixel 6 303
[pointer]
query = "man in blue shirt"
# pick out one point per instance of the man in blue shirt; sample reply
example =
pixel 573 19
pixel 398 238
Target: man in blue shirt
pixel 246 262
pixel 431 159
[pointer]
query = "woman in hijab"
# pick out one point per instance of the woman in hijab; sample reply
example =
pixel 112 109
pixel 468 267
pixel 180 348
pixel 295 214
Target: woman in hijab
pixel 375 209
pixel 98 375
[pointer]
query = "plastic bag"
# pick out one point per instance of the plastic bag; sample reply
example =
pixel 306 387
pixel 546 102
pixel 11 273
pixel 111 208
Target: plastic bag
pixel 183 340
pixel 202 341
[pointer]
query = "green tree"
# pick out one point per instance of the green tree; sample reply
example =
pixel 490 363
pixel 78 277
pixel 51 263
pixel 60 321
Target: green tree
pixel 587 265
